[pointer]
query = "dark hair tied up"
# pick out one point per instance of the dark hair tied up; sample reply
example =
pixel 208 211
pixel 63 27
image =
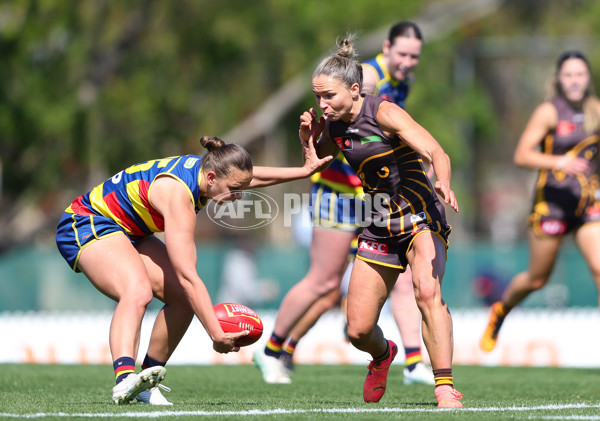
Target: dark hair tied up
pixel 222 157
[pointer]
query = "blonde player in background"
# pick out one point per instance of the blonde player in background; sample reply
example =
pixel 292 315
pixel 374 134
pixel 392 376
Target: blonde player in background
pixel 561 140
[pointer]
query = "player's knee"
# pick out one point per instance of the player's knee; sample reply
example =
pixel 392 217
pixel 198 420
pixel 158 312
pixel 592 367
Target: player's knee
pixel 331 299
pixel 182 312
pixel 323 285
pixel 537 283
pixel 356 338
pixel 358 333
pixel 427 293
pixel 138 295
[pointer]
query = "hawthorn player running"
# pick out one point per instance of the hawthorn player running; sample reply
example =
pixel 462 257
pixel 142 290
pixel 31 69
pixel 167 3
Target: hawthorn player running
pixel 336 193
pixel 567 128
pixel 384 145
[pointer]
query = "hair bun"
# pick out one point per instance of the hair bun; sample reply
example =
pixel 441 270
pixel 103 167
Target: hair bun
pixel 211 143
pixel 346 48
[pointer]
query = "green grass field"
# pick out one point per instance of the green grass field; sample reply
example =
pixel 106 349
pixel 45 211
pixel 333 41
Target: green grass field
pixel 324 392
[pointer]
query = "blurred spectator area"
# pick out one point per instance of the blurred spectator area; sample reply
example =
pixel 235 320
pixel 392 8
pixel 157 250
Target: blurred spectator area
pixel 37 279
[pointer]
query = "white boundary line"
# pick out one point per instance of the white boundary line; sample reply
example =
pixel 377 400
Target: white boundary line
pixel 160 414
pixel 569 417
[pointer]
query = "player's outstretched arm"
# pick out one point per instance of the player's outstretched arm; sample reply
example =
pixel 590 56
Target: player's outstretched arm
pixel 268 176
pixel 396 121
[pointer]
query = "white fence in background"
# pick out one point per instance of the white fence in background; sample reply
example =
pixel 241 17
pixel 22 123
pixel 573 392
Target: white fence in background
pixel 566 338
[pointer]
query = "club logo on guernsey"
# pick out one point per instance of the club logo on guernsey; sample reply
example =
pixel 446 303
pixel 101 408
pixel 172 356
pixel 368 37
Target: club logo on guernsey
pixel 565 128
pixel 418 217
pixel 189 163
pixel 368 139
pixel 373 247
pixel 344 143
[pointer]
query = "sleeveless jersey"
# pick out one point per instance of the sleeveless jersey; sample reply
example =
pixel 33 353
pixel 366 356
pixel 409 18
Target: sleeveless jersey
pixel 125 198
pixel 574 192
pixel 339 175
pixel 387 166
pixel 395 91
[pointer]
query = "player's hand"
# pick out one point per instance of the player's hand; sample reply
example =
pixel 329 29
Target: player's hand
pixel 310 126
pixel 312 162
pixel 227 342
pixel 573 165
pixel 310 130
pixel 444 190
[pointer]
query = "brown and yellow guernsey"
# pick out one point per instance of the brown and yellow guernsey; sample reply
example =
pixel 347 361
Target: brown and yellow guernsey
pixel 563 202
pixel 399 195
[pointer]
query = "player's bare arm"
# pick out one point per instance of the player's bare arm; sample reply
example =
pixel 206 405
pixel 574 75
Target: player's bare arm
pixel 267 176
pixel 397 122
pixel 173 201
pixel 527 154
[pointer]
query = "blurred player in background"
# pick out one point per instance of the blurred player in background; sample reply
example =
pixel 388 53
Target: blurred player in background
pixel 108 235
pixel 333 200
pixel 561 141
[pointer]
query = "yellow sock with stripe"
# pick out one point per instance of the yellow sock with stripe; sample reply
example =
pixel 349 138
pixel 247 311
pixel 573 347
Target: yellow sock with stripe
pixel 288 347
pixel 413 356
pixel 274 345
pixel 443 377
pixel 123 366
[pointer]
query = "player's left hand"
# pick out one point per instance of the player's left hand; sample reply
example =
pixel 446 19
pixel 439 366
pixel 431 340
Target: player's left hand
pixel 444 190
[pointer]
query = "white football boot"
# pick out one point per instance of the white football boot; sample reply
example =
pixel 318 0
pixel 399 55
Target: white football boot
pixel 134 384
pixel 272 369
pixel 154 397
pixel 420 374
pixel 288 364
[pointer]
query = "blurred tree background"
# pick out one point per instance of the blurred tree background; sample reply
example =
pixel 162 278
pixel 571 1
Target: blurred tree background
pixel 90 87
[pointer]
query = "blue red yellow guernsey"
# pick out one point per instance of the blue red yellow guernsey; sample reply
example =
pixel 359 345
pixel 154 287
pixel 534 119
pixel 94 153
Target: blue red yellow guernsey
pixel 125 197
pixel 393 90
pixel 339 176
